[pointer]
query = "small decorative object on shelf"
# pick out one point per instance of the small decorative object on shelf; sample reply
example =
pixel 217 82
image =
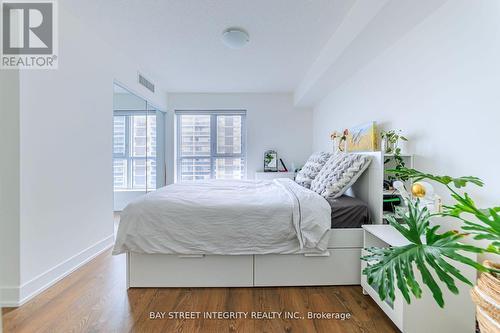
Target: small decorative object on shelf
pixel 424 192
pixel 339 140
pixel 270 161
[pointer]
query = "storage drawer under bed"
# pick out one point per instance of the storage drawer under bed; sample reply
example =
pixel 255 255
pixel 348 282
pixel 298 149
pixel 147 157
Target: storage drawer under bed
pixel 165 270
pixel 345 238
pixel 341 267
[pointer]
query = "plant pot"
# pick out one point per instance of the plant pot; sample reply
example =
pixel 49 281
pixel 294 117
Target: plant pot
pixel 486 296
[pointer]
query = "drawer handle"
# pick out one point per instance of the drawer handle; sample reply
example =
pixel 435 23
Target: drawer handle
pixel 190 256
pixel 322 254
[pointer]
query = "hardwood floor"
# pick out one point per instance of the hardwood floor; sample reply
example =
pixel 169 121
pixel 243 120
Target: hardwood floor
pixel 94 299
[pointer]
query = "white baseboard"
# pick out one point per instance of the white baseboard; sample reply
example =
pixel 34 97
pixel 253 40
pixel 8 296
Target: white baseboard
pixel 12 297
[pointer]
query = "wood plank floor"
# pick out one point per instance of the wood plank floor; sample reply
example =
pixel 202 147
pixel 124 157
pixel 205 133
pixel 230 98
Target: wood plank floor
pixel 94 299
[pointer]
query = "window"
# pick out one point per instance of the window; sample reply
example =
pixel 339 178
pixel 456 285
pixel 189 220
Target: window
pixel 134 150
pixel 210 145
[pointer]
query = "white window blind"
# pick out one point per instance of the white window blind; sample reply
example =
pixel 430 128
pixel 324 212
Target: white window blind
pixel 210 145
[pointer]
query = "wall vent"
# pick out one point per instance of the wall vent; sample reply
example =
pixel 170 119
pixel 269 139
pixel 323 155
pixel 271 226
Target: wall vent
pixel 146 83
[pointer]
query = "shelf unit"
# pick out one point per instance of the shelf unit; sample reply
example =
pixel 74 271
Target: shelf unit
pixel 408 159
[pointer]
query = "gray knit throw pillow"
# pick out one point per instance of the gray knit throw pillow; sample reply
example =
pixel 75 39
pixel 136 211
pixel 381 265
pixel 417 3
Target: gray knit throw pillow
pixel 312 167
pixel 339 173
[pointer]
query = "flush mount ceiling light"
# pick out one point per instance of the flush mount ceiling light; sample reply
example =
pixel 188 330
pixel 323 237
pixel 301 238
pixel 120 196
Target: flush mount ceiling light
pixel 235 38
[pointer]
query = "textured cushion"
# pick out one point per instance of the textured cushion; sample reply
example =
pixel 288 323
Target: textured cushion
pixel 311 168
pixel 339 173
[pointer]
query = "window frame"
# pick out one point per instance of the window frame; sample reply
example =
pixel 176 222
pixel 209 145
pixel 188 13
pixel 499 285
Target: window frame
pixel 127 155
pixel 213 140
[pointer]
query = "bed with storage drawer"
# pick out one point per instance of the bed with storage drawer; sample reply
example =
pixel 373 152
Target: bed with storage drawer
pixel 238 247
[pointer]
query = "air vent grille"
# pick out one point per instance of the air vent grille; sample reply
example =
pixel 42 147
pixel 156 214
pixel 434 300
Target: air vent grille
pixel 146 83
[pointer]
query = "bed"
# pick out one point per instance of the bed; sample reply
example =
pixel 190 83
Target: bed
pixel 242 239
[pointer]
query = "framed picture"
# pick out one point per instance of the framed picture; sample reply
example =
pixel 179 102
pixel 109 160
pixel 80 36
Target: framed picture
pixel 363 138
pixel 270 161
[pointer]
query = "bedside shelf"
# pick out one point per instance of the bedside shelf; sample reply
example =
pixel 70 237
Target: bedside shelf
pixel 408 159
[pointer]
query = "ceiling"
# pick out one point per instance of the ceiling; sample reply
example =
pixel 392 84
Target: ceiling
pixel 178 41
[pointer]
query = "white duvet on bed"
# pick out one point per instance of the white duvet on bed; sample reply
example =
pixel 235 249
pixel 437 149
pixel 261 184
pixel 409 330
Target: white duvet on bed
pixel 226 217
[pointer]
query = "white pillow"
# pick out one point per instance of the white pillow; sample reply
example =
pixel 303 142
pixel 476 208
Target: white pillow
pixel 339 173
pixel 312 167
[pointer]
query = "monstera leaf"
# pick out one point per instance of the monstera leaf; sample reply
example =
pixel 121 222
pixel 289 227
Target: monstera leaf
pixel 427 250
pixel 445 180
pixel 487 225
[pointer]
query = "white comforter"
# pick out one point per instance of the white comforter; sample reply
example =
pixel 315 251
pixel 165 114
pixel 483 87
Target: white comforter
pixel 226 217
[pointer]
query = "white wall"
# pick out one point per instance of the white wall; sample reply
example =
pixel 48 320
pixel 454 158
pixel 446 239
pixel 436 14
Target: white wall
pixel 440 84
pixel 272 123
pixel 66 199
pixel 9 185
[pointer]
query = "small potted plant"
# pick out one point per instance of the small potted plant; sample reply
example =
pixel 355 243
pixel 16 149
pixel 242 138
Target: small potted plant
pixel 390 141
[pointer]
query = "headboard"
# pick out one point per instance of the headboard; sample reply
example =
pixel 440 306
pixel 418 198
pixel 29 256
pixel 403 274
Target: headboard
pixel 369 187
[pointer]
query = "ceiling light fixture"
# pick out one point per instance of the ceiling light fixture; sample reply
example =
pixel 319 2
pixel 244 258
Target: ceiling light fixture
pixel 235 38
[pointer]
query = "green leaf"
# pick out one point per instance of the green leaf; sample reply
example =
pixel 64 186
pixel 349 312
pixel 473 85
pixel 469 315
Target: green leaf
pixel 427 251
pixel 445 180
pixel 401 282
pixel 429 280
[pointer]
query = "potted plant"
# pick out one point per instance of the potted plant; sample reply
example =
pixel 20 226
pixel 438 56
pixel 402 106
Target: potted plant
pixel 427 250
pixel 390 140
pixel 390 146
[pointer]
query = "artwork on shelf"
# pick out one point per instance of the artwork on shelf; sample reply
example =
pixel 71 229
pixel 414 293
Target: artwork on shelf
pixel 363 138
pixel 270 161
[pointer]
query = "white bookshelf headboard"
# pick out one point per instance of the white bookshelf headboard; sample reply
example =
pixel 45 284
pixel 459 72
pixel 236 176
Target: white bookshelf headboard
pixel 369 187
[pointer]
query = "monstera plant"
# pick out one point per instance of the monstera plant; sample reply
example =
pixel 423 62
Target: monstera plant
pixel 430 251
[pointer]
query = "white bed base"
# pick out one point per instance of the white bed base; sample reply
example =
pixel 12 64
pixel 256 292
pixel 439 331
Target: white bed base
pixel 339 265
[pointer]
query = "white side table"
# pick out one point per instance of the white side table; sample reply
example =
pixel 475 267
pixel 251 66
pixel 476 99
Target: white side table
pixel 422 315
pixel 260 175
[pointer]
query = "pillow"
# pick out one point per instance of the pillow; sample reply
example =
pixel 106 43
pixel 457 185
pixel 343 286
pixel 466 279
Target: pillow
pixel 338 174
pixel 313 165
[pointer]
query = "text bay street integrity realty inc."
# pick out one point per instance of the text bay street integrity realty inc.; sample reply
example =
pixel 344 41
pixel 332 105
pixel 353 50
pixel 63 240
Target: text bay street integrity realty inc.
pixel 258 315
